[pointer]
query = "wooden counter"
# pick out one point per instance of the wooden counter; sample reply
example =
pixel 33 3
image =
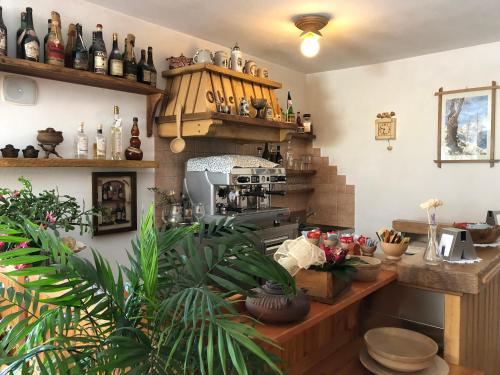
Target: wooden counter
pixel 325 331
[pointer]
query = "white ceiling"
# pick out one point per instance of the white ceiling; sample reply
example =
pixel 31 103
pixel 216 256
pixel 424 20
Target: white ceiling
pixel 361 31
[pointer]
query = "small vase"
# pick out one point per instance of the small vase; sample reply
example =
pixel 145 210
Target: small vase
pixel 431 255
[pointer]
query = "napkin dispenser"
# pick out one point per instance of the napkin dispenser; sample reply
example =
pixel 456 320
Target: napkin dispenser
pixel 456 244
pixel 493 218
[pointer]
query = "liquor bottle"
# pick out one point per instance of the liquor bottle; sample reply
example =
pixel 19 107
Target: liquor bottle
pixel 129 63
pixel 20 35
pixel 69 52
pixel 266 154
pixel 30 45
pixel 100 54
pixel 300 124
pixel 143 72
pixel 152 68
pixel 81 143
pixel 100 141
pixel 45 39
pixel 116 136
pixel 91 52
pixel 124 214
pixel 278 159
pixel 81 56
pixel 3 36
pixel 134 152
pixel 55 43
pixel 290 115
pixel 115 63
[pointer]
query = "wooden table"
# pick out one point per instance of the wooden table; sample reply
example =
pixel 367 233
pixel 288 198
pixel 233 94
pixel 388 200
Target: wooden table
pixel 326 331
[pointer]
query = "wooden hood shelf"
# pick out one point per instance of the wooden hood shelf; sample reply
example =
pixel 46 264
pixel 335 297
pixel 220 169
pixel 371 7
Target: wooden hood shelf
pixel 197 88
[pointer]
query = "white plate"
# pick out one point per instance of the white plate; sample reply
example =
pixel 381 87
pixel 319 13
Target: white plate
pixel 438 366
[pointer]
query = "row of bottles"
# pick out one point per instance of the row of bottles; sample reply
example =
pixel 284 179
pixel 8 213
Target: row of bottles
pixel 115 141
pixel 271 154
pixel 75 54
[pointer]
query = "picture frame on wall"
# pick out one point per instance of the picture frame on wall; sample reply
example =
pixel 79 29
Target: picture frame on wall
pixel 466 125
pixel 115 195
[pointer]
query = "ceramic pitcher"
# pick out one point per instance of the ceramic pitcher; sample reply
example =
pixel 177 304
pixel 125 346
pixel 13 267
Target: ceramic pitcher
pixel 203 56
pixel 236 61
pixel 250 67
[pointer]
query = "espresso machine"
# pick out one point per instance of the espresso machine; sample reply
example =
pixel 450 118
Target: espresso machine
pixel 241 187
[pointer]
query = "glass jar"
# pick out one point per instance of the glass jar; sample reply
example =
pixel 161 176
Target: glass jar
pixel 431 255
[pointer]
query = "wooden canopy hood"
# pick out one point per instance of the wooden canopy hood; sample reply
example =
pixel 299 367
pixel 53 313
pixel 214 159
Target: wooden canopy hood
pixel 197 88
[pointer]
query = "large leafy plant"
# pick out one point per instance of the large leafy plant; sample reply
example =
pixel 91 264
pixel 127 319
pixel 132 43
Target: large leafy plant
pixel 171 312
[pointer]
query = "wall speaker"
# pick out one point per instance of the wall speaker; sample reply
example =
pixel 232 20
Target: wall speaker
pixel 19 90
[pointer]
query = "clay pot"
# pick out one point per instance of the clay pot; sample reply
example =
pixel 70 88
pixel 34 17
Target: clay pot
pixel 50 136
pixel 10 152
pixel 269 305
pixel 30 152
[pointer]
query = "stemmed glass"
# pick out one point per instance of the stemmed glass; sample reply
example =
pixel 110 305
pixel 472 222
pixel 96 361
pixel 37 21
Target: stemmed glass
pixel 199 211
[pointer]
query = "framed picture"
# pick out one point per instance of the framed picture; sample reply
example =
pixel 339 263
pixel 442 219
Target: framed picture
pixel 115 193
pixel 466 125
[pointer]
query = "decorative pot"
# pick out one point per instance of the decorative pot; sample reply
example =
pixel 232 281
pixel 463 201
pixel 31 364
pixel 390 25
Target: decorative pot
pixel 250 67
pixel 393 251
pixel 30 152
pixel 368 250
pixel 203 56
pixel 10 152
pixel 50 136
pixel 221 59
pixel 270 305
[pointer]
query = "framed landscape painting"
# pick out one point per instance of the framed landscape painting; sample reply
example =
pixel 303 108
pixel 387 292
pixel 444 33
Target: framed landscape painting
pixel 115 194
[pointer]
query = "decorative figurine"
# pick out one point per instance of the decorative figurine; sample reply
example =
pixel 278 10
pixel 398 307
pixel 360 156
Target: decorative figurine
pixel 179 62
pixel 244 108
pixel 49 139
pixel 236 60
pixel 250 67
pixel 134 152
pixel 9 151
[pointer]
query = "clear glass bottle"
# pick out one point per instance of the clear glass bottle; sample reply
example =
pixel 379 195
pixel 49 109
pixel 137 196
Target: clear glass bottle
pixel 117 136
pixel 100 141
pixel 99 51
pixel 81 57
pixel 55 43
pixel 289 155
pixel 431 255
pixel 81 143
pixel 152 68
pixel 3 36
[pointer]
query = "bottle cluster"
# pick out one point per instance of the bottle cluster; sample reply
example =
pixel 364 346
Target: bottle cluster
pixel 74 54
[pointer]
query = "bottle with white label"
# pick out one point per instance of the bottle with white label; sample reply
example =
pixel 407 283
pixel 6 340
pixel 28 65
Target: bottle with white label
pixel 81 143
pixel 3 36
pixel 99 51
pixel 100 141
pixel 117 136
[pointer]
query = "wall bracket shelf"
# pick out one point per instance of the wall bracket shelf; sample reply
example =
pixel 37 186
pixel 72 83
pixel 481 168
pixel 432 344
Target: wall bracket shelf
pixel 75 163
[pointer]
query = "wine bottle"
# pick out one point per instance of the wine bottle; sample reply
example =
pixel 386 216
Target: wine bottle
pixel 45 39
pixel 143 72
pixel 116 136
pixel 20 35
pixel 100 54
pixel 30 45
pixel 266 154
pixel 55 43
pixel 278 159
pixel 115 63
pixel 81 56
pixel 69 52
pixel 3 36
pixel 290 115
pixel 91 52
pixel 152 68
pixel 129 63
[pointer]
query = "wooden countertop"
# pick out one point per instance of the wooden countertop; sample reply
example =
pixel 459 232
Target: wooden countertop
pixel 447 277
pixel 321 311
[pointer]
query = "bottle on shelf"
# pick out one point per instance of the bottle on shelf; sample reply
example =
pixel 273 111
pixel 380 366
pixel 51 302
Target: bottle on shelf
pixel 30 45
pixel 116 136
pixel 143 72
pixel 100 144
pixel 81 143
pixel 129 63
pixel 134 152
pixel 290 115
pixel 99 51
pixel 259 152
pixel 91 52
pixel 278 159
pixel 115 63
pixel 289 155
pixel 55 43
pixel 104 193
pixel 152 68
pixel 266 154
pixel 300 125
pixel 69 52
pixel 307 123
pixel 3 36
pixel 81 55
pixel 272 154
pixel 45 39
pixel 20 35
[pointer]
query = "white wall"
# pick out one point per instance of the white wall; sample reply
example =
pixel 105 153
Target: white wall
pixel 63 106
pixel 391 184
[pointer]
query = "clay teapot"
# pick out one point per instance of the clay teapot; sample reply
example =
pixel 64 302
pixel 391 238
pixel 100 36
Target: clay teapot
pixel 270 305
pixel 30 152
pixel 10 152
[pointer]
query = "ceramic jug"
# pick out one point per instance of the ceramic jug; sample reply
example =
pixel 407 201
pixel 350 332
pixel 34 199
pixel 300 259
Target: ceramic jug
pixel 203 56
pixel 221 59
pixel 244 107
pixel 236 60
pixel 250 67
pixel 262 73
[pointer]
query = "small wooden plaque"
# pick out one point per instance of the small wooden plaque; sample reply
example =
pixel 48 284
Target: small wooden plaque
pixel 385 128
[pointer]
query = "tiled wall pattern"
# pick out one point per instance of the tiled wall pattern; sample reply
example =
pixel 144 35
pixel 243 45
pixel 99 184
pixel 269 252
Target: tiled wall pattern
pixel 332 201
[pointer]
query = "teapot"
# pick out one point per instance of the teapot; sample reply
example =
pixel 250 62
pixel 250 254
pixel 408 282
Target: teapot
pixel 9 151
pixel 30 152
pixel 203 56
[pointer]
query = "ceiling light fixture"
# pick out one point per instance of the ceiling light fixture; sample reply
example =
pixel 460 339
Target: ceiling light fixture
pixel 310 26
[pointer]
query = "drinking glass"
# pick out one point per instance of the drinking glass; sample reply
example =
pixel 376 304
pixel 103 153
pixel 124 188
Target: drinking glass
pixel 199 211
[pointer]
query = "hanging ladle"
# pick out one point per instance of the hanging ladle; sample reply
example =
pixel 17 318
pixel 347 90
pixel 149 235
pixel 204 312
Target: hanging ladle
pixel 178 144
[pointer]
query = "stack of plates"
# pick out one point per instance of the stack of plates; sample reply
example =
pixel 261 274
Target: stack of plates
pixel 394 351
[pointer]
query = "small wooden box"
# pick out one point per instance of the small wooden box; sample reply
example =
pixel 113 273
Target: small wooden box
pixel 321 286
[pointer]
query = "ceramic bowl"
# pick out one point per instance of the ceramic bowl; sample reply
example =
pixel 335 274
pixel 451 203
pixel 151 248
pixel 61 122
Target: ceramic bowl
pixel 393 250
pixel 50 136
pixel 487 235
pixel 259 103
pixel 368 270
pixel 400 349
pixel 368 250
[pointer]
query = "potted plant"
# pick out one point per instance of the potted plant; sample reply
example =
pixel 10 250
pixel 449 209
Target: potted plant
pixel 172 311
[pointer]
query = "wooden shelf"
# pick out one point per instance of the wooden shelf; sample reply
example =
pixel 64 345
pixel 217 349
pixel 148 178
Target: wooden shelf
pixel 80 77
pixel 294 172
pixel 75 163
pixel 307 136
